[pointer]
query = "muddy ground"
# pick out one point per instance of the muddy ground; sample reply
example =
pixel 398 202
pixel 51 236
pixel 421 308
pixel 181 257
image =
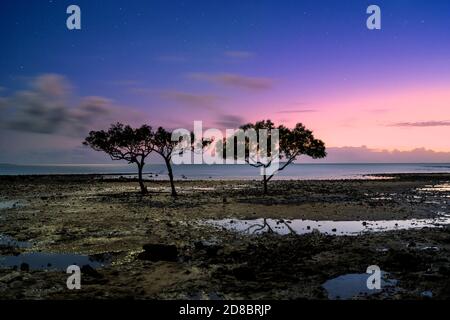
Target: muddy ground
pixel 96 216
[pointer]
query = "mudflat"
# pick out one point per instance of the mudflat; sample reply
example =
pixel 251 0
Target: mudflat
pixel 159 247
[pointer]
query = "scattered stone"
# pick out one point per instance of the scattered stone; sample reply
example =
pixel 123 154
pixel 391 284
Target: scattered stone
pixel 244 273
pixel 403 260
pixel 159 252
pixel 411 244
pixel 11 277
pixel 25 267
pixel 211 248
pixel 89 271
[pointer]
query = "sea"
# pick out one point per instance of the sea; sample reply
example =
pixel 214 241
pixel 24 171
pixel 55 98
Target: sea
pixel 230 172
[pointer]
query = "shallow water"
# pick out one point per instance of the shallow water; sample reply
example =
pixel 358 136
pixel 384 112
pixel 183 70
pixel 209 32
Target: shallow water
pixel 354 284
pixel 299 226
pixel 232 172
pixel 10 204
pixel 51 261
pixel 11 242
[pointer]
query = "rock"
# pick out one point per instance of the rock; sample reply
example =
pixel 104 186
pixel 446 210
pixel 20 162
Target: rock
pixel 11 277
pixel 403 260
pixel 89 271
pixel 411 244
pixel 159 252
pixel 25 267
pixel 444 270
pixel 244 273
pixel 211 248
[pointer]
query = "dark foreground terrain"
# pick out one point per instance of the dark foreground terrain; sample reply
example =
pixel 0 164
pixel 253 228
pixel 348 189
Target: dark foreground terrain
pixel 157 247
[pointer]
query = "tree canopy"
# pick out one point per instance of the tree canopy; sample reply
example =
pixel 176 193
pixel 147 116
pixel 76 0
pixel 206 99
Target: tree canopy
pixel 121 142
pixel 292 144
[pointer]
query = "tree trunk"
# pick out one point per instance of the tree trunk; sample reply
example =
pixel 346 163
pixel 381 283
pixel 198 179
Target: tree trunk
pixel 265 184
pixel 265 180
pixel 141 181
pixel 172 184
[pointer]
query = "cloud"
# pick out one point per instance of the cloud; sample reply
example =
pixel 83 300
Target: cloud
pixel 3 102
pixel 229 121
pixel 239 54
pixel 44 108
pixel 296 111
pixel 364 154
pixel 423 124
pixel 235 80
pixel 51 85
pixel 193 100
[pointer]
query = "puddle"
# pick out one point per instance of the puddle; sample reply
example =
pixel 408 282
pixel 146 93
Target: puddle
pixel 298 226
pixel 355 284
pixel 10 204
pixel 11 242
pixel 427 294
pixel 48 261
pixel 53 261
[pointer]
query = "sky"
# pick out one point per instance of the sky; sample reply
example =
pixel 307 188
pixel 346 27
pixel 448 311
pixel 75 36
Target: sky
pixel 371 95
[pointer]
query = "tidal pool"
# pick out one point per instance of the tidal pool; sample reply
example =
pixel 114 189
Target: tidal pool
pixel 299 226
pixel 11 242
pixel 46 260
pixel 355 284
pixel 10 204
pixel 52 261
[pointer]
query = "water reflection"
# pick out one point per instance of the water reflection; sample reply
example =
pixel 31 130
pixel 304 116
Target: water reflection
pixel 299 226
pixel 10 204
pixel 11 242
pixel 51 261
pixel 355 284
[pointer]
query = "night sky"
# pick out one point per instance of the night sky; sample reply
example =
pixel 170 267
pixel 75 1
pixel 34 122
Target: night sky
pixel 225 62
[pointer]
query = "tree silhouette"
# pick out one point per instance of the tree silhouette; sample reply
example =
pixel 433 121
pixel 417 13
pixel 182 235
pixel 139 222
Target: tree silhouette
pixel 166 148
pixel 122 142
pixel 292 143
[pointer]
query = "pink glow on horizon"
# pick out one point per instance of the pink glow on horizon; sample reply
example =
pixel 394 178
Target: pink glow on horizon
pixel 370 120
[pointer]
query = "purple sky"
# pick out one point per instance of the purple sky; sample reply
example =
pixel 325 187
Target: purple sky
pixel 364 92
